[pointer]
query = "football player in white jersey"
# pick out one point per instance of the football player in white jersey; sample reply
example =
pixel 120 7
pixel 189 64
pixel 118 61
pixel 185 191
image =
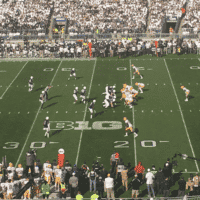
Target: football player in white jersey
pixel 10 186
pixel 11 170
pixel 57 175
pixel 136 71
pixel 45 165
pixel 129 126
pixel 83 94
pixel 75 94
pixel 19 171
pixel 187 92
pixel 4 189
pixel 46 125
pixel 30 84
pixel 48 174
pixel 41 99
pixel 140 86
pixel 72 73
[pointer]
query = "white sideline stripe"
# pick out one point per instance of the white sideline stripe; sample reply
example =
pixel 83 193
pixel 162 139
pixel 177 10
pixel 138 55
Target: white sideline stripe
pixel 85 113
pixel 182 115
pixel 34 122
pixel 13 80
pixel 133 121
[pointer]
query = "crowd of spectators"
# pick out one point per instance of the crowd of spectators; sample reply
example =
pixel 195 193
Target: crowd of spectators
pixel 25 17
pixel 192 18
pixel 94 48
pixel 160 9
pixel 89 15
pixel 68 180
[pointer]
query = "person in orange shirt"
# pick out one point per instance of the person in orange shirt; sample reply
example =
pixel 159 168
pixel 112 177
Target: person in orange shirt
pixel 139 170
pixel 90 49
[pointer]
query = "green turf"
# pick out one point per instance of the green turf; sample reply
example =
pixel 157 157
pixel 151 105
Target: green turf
pixel 156 114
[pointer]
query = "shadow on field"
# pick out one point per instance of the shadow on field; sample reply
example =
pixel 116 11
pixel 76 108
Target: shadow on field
pixel 77 78
pixel 145 90
pixel 138 98
pixel 56 132
pixel 55 97
pixel 99 113
pixel 190 97
pixel 51 105
pixel 42 88
pixel 115 106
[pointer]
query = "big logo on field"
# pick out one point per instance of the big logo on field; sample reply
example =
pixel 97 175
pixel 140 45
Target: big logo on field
pixel 84 125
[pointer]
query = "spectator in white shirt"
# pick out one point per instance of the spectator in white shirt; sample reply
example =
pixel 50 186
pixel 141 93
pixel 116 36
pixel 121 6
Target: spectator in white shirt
pixel 149 177
pixel 109 187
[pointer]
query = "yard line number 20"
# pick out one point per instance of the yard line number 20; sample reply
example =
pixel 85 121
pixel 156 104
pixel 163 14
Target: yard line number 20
pixel 142 143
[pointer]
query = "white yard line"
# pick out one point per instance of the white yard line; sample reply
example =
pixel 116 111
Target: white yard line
pixel 13 80
pixel 34 122
pixel 133 119
pixel 85 114
pixel 182 115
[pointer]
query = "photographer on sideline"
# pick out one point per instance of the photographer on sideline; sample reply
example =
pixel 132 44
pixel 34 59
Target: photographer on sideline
pixel 30 158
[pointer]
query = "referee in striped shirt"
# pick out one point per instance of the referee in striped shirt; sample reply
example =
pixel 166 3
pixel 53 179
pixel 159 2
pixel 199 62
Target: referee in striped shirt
pixel 46 92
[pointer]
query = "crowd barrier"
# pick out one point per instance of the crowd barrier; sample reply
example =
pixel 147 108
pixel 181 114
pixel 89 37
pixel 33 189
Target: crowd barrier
pixel 139 198
pixel 102 36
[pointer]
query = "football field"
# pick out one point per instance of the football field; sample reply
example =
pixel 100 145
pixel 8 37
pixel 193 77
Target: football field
pixel 165 123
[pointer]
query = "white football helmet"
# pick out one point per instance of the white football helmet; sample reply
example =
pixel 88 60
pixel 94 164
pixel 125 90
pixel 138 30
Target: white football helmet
pixel 94 100
pixel 114 91
pixel 73 69
pixel 76 88
pixel 47 118
pixel 31 77
pixel 84 87
pixel 42 92
pixel 114 86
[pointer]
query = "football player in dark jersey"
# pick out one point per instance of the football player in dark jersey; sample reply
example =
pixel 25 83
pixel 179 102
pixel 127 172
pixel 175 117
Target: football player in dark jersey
pixel 91 108
pixel 72 73
pixel 46 92
pixel 75 94
pixel 30 84
pixel 83 94
pixel 42 99
pixel 46 125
